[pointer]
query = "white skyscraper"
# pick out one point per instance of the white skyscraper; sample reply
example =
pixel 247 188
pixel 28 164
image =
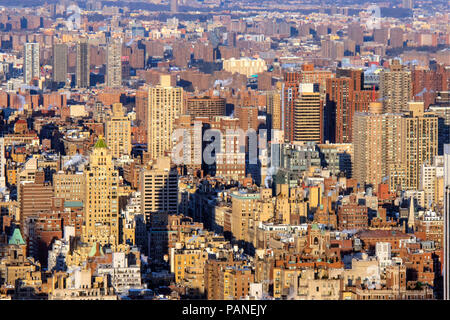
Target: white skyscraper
pixel 30 62
pixel 114 64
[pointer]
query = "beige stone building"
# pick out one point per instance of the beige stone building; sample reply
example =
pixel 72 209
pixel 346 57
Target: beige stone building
pixel 419 142
pixel 118 132
pixel 165 103
pixel 102 200
pixel 69 186
pixel 248 209
pixel 273 104
pixel 159 188
pixel 246 66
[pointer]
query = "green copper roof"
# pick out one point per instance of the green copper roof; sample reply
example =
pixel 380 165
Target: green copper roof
pixel 94 250
pixel 100 143
pixel 16 238
pixel 73 204
pixel 314 227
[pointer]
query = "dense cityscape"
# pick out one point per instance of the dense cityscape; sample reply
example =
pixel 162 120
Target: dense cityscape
pixel 224 150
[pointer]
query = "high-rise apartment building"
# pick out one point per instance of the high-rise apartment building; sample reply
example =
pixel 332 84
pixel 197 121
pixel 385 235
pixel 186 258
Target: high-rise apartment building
pixel 83 64
pixel 59 63
pixel 393 147
pixel 205 106
pixel 165 103
pixel 35 196
pixel 317 76
pixel 31 65
pixel 101 204
pixel 114 64
pixel 248 117
pixel 159 188
pixel 230 159
pixel 190 153
pixel 118 132
pixel 376 143
pixel 395 88
pixel 339 111
pixel 332 49
pixel 367 140
pixel 308 125
pixel 289 92
pixel 273 104
pixel 446 258
pixel 142 114
pixel 443 113
pixel 419 141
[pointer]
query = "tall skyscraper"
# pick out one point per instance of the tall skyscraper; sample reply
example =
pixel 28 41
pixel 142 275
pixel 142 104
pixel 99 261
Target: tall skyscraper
pixel 376 143
pixel 118 132
pixel 31 66
pixel 368 144
pixel 308 125
pixel 443 112
pixel 159 188
pixel 289 92
pixel 83 64
pixel 339 111
pixel 446 259
pixel 248 117
pixel 273 103
pixel 419 140
pixel 393 147
pixel 60 62
pixel 165 103
pixel 142 114
pixel 2 163
pixel 396 88
pixel 102 197
pixel 114 64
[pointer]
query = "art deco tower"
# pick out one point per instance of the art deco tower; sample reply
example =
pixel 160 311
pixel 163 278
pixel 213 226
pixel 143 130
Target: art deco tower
pixel 101 222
